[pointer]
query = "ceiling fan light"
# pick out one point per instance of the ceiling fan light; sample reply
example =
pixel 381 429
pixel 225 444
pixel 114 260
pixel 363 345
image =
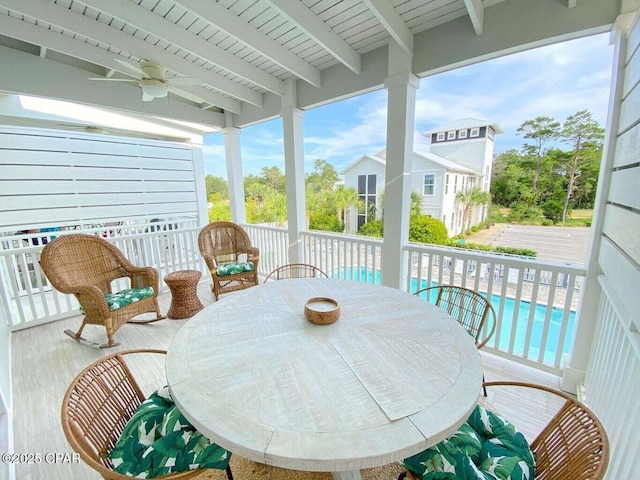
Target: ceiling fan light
pixel 153 88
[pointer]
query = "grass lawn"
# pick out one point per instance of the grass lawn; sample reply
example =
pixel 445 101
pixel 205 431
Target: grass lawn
pixel 577 218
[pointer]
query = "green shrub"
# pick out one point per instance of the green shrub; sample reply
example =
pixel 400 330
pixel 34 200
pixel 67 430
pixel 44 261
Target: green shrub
pixel 471 246
pixel 220 212
pixel 425 229
pixel 325 222
pixel 374 228
pixel 552 207
pixel 525 252
pixel 525 214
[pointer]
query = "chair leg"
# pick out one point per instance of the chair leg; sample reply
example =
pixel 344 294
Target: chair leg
pixel 229 474
pixel 78 338
pixel 402 476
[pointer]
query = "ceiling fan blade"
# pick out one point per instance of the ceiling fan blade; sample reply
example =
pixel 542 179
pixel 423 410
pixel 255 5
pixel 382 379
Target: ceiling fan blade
pixel 105 79
pixel 134 69
pixel 182 81
pixel 186 95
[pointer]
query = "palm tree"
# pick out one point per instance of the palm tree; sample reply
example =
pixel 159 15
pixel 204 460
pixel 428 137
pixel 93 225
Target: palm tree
pixel 345 198
pixel 415 203
pixel 469 199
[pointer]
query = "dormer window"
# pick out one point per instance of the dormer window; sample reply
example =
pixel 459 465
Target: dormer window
pixel 451 135
pixel 475 132
pixel 440 137
pixel 462 134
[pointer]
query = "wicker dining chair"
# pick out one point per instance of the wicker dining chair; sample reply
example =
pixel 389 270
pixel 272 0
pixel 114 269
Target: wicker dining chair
pixel 471 309
pixel 468 307
pixel 295 270
pixel 224 245
pixel 85 266
pixel 573 445
pixel 96 408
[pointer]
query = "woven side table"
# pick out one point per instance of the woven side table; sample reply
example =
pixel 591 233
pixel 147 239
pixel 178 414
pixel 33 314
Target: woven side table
pixel 184 297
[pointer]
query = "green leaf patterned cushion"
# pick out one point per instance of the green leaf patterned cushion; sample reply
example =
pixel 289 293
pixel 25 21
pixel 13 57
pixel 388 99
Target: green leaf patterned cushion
pixel 231 268
pixel 485 447
pixel 126 297
pixel 159 440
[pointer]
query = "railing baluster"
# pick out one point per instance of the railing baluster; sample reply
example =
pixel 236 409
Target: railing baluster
pixel 343 256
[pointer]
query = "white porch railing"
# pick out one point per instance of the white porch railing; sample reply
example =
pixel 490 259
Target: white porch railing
pixel 535 301
pixel 26 295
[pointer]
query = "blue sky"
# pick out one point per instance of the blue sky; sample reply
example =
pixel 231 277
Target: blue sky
pixel 556 81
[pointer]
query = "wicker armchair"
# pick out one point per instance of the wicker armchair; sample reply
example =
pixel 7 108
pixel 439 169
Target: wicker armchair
pixel 572 446
pixel 295 270
pixel 97 406
pixel 86 266
pixel 224 244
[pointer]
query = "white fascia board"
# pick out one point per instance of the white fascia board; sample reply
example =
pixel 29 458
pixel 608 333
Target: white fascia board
pixel 509 27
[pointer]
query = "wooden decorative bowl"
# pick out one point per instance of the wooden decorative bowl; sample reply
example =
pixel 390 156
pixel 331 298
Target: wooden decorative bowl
pixel 322 310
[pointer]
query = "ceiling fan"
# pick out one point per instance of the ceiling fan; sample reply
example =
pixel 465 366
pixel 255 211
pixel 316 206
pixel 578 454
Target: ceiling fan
pixel 150 77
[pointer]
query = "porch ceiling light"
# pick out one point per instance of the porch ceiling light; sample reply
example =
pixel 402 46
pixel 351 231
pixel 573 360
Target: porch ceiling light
pixel 153 88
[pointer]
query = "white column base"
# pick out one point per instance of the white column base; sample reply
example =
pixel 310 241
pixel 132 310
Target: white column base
pixel 571 378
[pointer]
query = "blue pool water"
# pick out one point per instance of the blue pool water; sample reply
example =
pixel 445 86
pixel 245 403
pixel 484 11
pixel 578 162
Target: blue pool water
pixel 504 335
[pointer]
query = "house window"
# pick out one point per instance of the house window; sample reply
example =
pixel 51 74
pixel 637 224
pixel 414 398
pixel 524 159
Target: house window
pixel 464 182
pixel 451 135
pixel 453 220
pixel 462 134
pixel 429 184
pixel 475 132
pixel 455 183
pixel 440 137
pixel 367 196
pixel 446 184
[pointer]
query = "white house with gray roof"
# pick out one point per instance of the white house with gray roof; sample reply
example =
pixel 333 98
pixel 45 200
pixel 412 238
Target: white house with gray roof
pixel 460 156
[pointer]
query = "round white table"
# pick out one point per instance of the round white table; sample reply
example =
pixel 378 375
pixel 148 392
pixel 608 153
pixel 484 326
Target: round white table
pixel 393 376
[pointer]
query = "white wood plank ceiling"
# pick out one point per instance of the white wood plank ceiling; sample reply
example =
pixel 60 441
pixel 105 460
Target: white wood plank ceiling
pixel 242 51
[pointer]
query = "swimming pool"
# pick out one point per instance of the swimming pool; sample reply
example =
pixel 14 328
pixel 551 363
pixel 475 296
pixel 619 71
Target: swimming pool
pixel 553 334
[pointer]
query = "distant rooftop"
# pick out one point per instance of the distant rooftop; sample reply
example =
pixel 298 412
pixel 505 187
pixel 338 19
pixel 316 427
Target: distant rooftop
pixel 465 123
pixel 381 156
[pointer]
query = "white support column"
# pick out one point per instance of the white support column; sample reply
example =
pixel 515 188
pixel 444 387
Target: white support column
pixel 235 179
pixel 401 86
pixel 201 188
pixel 573 374
pixel 292 125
